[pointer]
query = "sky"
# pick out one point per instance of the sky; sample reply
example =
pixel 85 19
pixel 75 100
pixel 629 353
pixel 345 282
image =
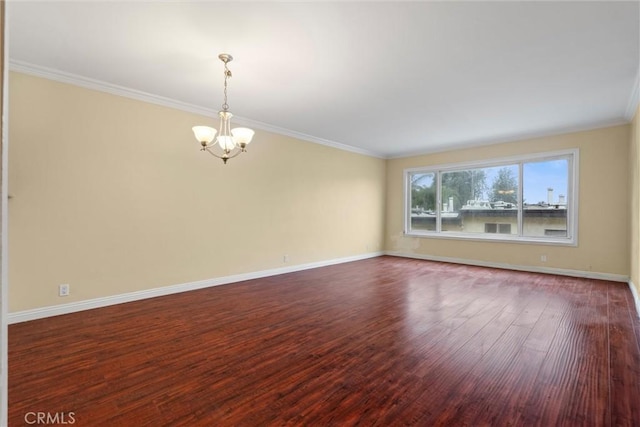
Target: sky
pixel 539 176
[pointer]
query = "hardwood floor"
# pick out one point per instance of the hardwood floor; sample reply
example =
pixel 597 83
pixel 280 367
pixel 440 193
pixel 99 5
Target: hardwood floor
pixel 385 342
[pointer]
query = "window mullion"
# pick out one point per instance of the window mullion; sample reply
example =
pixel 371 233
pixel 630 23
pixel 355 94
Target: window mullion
pixel 438 201
pixel 570 196
pixel 407 204
pixel 520 199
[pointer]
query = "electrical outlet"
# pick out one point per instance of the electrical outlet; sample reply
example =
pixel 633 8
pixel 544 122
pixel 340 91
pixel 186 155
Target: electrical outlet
pixel 285 259
pixel 63 290
pixel 543 258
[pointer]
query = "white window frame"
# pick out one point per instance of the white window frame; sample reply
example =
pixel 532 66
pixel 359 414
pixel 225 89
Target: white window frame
pixel 572 156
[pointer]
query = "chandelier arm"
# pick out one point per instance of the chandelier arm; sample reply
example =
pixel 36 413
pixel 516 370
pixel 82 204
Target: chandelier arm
pixel 236 151
pixel 212 153
pixel 236 154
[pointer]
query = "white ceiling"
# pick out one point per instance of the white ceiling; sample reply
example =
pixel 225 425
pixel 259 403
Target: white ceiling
pixel 386 78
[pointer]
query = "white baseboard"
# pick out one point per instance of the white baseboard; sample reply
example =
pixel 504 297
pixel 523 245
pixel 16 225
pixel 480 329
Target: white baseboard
pixel 531 269
pixel 636 299
pixel 40 313
pixel 43 312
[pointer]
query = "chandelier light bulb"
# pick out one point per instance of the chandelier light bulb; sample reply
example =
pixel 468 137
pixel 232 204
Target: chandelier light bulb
pixel 242 136
pixel 204 134
pixel 226 142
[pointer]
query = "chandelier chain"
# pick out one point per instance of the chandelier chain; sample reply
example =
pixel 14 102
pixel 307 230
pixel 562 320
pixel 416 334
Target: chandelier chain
pixel 227 74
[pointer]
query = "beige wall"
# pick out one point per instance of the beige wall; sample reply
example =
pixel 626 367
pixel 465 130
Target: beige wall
pixel 635 200
pixel 603 242
pixel 112 195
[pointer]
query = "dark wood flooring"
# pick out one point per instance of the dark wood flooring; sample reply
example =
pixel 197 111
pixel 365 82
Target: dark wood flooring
pixel 380 342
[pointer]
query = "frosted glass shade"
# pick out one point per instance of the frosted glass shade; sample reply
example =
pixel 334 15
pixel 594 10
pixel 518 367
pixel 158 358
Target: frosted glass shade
pixel 204 133
pixel 226 142
pixel 242 135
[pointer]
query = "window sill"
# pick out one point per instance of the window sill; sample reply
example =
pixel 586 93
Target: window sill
pixel 498 238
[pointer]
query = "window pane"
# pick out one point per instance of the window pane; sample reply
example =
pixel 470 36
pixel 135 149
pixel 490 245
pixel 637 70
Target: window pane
pixel 482 200
pixel 423 201
pixel 458 187
pixel 545 191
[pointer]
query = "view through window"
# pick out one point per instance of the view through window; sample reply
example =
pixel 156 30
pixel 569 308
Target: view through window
pixel 528 198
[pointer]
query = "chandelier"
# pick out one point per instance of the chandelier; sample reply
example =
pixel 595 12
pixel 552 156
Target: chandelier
pixel 229 142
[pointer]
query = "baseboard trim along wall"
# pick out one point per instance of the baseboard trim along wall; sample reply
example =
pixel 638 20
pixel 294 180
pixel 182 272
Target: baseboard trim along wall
pixel 43 312
pixel 531 269
pixel 636 299
pixel 40 313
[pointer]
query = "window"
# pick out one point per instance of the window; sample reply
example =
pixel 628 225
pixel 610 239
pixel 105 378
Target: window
pixel 529 198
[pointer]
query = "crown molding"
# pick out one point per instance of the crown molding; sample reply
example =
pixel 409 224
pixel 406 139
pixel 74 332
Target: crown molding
pixel 113 89
pixel 98 85
pixel 634 99
pixel 513 138
pixel 303 136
